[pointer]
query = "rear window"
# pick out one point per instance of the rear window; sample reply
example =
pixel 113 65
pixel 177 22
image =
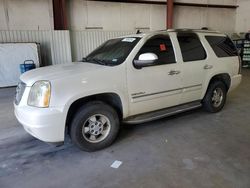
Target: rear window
pixel 191 47
pixel 222 46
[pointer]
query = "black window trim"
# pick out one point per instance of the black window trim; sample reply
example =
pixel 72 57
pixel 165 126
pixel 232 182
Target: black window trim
pixel 203 46
pixel 225 36
pixel 155 36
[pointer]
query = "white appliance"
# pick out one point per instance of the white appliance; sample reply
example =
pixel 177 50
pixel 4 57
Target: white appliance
pixel 11 56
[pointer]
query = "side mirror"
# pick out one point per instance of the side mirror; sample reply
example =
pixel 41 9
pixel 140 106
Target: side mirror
pixel 145 60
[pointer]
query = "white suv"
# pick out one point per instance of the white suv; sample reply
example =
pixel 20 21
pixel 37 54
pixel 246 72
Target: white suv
pixel 132 79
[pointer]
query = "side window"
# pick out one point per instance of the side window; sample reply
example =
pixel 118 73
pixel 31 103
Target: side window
pixel 191 47
pixel 160 45
pixel 222 46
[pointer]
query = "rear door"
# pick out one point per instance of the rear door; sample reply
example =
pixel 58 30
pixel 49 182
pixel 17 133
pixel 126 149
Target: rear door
pixel 194 65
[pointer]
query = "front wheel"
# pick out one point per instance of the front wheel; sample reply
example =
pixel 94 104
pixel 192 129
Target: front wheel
pixel 215 97
pixel 94 127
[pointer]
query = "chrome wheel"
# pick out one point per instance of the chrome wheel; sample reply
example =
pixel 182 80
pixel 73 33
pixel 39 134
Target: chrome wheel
pixel 96 128
pixel 217 97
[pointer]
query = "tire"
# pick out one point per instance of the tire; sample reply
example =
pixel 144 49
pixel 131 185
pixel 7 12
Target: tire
pixel 95 126
pixel 212 102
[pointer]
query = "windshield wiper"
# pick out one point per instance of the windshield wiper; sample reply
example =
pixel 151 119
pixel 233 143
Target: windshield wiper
pixel 98 61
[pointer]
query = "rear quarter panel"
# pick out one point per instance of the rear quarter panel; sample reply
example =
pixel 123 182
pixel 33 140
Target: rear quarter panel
pixel 228 65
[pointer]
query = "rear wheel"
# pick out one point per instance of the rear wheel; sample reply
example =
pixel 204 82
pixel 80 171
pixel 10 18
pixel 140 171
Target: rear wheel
pixel 94 127
pixel 215 97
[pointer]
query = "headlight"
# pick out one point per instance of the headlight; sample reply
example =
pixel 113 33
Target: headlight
pixel 40 94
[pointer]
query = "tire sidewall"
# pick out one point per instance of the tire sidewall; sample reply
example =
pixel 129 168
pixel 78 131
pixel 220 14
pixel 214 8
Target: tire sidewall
pixel 83 114
pixel 207 102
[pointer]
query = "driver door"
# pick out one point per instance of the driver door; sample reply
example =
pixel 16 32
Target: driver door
pixel 158 85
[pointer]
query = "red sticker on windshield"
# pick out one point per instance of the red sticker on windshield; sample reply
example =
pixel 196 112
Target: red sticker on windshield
pixel 163 47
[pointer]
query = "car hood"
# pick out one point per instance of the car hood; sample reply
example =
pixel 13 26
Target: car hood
pixel 58 72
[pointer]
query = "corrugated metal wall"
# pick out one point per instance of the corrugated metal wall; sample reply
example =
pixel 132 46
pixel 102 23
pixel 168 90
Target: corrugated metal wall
pixel 61 47
pixel 55 45
pixel 83 42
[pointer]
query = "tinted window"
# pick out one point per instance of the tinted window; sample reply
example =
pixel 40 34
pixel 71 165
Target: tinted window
pixel 191 47
pixel 113 52
pixel 162 47
pixel 222 46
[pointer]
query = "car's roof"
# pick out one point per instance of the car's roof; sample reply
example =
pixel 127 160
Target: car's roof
pixel 193 30
pixel 141 35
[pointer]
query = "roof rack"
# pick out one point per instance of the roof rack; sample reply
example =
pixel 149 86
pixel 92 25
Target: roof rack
pixel 203 30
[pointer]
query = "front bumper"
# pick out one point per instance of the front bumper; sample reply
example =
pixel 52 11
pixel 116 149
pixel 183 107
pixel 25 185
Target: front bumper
pixel 46 124
pixel 235 81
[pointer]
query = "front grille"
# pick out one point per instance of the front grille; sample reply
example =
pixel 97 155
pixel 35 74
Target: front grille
pixel 19 92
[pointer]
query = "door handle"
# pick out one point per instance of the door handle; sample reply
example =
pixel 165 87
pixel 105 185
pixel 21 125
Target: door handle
pixel 173 72
pixel 177 72
pixel 208 66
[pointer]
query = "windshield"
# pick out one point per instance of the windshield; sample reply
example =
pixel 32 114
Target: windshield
pixel 112 52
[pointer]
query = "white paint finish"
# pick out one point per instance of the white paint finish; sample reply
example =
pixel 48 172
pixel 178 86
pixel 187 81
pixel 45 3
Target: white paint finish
pixel 88 79
pixel 69 83
pixel 194 74
pixel 148 56
pixel 167 93
pixel 242 16
pixel 40 124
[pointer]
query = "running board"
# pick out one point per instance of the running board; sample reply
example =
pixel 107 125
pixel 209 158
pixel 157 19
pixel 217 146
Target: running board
pixel 151 116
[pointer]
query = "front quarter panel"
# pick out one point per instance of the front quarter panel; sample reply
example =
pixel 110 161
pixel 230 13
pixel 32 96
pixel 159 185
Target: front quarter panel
pixel 67 90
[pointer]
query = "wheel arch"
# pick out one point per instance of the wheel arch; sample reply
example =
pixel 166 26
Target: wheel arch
pixel 223 77
pixel 112 99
